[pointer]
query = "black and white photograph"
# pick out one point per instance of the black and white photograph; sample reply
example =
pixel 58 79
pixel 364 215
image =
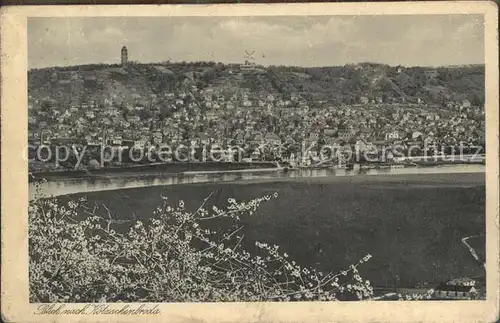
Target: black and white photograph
pixel 277 158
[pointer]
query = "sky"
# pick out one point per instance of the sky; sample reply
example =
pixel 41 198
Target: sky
pixel 409 40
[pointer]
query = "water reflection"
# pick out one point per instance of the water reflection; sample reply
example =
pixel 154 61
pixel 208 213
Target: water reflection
pixel 104 183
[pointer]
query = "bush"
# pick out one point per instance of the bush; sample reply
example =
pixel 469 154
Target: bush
pixel 79 255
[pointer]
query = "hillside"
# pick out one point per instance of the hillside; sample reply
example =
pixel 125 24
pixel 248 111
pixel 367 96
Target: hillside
pixel 343 84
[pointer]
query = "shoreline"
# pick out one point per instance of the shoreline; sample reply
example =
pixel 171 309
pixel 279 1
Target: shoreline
pixel 149 169
pixel 449 177
pixel 189 169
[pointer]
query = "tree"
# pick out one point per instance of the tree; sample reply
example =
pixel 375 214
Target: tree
pixel 145 114
pixel 46 106
pixel 93 260
pixel 477 99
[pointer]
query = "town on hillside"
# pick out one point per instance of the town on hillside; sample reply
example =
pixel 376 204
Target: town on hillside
pixel 270 113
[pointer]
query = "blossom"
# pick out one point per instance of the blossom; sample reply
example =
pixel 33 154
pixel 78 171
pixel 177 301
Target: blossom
pixel 164 261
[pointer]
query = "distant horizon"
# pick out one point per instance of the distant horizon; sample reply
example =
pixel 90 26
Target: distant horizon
pixel 266 66
pixel 306 41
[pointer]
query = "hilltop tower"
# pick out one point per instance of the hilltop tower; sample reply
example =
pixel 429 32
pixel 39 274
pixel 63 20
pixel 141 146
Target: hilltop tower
pixel 124 55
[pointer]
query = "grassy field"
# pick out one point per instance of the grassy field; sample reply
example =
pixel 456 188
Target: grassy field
pixel 411 224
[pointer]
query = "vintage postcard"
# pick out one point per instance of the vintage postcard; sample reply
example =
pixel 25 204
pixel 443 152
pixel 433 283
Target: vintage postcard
pixel 250 163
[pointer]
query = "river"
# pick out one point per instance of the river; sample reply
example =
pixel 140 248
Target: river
pixel 115 182
pixel 412 220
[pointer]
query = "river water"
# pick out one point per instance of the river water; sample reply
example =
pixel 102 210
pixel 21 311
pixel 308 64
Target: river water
pixel 107 183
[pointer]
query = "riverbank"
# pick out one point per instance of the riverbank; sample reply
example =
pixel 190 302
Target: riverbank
pixel 72 185
pixel 173 168
pixel 412 224
pixel 148 169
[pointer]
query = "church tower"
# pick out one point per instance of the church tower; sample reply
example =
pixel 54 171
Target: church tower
pixel 124 55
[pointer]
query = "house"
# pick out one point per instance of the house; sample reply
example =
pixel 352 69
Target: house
pixel 272 138
pixel 133 118
pixel 431 74
pixel 363 100
pixel 313 136
pixel 289 140
pixel 304 108
pixel 329 132
pixel 258 139
pixel 380 143
pixel 463 281
pixel 66 114
pixel 255 155
pixel 466 103
pixel 392 135
pixel 365 133
pixel 361 146
pixel 203 138
pixel 345 134
pixel 238 140
pixel 249 67
pixel 228 155
pixel 212 115
pixel 140 144
pixel 157 137
pixel 117 141
pixel 455 292
pixel 119 119
pixel 54 77
pixel 415 135
pixel 112 111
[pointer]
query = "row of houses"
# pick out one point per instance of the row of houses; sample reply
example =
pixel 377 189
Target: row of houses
pixel 457 289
